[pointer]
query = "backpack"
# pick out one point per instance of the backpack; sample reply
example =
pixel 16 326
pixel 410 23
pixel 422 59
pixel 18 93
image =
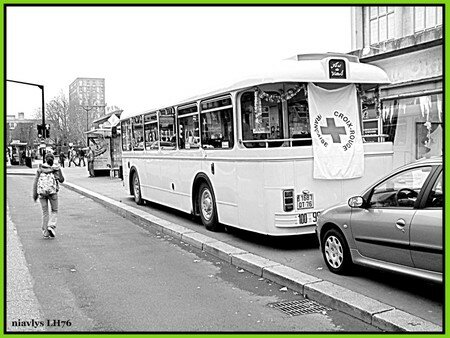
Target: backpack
pixel 46 184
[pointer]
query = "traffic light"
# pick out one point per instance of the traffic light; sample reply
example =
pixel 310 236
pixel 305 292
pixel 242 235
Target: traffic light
pixel 39 130
pixel 47 131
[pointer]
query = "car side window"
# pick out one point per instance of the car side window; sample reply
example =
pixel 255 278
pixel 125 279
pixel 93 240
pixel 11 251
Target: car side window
pixel 436 197
pixel 400 190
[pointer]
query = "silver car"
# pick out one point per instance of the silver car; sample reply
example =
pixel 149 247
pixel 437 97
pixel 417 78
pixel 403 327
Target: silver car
pixel 394 225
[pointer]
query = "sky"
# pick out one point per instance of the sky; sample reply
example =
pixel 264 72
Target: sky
pixel 151 55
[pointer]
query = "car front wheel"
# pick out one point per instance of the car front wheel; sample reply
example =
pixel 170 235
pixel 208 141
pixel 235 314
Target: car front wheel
pixel 335 252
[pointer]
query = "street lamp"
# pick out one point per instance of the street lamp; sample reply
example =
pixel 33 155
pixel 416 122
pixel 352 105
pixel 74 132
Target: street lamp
pixel 42 90
pixel 88 108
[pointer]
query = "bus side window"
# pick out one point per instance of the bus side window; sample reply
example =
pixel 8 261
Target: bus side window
pixel 298 120
pixel 126 135
pixel 188 128
pixel 167 129
pixel 150 131
pixel 261 126
pixel 137 133
pixel 217 124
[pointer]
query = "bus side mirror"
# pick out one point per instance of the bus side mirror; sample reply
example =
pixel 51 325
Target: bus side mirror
pixel 356 202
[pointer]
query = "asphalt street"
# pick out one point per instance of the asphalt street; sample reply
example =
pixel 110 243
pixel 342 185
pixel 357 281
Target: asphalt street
pixel 415 296
pixel 105 273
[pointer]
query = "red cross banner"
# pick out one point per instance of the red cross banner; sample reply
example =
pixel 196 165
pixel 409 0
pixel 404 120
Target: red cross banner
pixel 335 132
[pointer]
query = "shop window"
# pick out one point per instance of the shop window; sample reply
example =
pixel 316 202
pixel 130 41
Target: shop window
pixel 126 135
pixel 264 124
pixel 138 133
pixel 217 124
pixel 414 125
pixel 188 128
pixel 151 131
pixel 167 138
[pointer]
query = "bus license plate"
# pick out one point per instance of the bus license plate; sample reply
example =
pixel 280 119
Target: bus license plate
pixel 308 217
pixel 305 201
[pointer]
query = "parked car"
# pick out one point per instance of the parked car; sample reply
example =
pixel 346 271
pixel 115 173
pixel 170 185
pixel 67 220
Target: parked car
pixel 394 225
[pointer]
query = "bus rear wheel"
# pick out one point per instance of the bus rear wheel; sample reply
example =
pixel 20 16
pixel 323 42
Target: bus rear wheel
pixel 207 207
pixel 137 189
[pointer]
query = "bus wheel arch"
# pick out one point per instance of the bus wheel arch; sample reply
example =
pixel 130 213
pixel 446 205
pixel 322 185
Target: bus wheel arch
pixel 203 194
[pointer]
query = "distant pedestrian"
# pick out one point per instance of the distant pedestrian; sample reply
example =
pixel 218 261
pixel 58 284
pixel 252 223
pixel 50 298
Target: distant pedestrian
pixel 72 157
pixel 90 158
pixel 82 154
pixel 62 158
pixel 46 187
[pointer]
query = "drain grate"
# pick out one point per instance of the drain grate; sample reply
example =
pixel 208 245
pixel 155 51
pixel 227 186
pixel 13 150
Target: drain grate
pixel 299 307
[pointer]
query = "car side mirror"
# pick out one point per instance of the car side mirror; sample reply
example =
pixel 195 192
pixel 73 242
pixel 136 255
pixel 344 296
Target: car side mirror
pixel 356 202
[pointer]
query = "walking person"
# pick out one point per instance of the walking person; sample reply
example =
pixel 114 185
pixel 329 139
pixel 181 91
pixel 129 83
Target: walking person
pixel 72 157
pixel 90 158
pixel 82 154
pixel 46 187
pixel 62 158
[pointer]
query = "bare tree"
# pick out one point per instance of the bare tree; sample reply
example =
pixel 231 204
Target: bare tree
pixel 67 123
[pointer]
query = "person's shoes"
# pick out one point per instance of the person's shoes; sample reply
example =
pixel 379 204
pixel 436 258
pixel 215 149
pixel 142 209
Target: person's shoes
pixel 45 234
pixel 51 232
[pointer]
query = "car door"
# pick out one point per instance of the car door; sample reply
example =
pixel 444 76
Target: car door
pixel 382 229
pixel 426 229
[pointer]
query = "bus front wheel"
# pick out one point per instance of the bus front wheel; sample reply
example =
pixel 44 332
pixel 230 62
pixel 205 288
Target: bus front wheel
pixel 208 209
pixel 137 189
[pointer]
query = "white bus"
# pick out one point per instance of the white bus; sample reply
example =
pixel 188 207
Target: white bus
pixel 242 156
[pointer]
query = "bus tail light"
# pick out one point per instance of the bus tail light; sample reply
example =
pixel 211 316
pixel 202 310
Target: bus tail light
pixel 288 200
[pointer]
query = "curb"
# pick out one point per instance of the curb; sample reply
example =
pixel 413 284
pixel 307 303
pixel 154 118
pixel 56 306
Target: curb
pixel 371 311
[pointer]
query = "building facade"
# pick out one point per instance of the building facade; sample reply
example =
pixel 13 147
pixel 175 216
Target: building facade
pixel 21 130
pixel 88 96
pixel 407 42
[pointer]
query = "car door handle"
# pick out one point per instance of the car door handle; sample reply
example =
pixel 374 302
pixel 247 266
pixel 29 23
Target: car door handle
pixel 400 224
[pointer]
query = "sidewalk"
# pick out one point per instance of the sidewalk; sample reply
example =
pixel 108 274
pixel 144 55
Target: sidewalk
pixel 383 316
pixel 21 302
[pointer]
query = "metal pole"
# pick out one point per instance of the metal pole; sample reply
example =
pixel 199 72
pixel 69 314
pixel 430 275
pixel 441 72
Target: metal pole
pixel 43 108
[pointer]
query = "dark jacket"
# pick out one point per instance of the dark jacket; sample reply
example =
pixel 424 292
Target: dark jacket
pixel 45 168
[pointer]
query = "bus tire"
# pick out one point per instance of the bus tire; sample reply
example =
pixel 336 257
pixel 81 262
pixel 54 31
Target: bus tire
pixel 137 192
pixel 335 252
pixel 207 208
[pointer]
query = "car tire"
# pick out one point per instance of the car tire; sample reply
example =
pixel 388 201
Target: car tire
pixel 137 189
pixel 335 252
pixel 207 208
